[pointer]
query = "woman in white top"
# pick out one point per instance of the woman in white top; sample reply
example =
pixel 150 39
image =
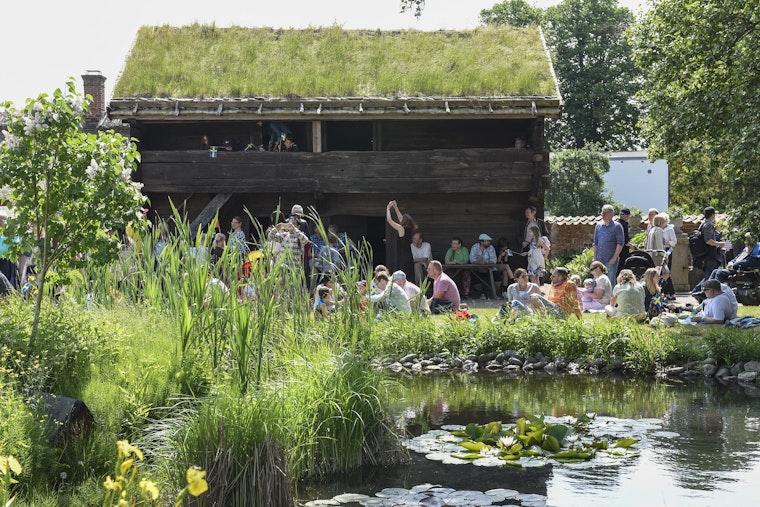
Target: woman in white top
pixel 518 295
pixel 603 291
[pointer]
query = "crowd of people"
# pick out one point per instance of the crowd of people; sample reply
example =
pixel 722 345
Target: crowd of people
pixel 420 283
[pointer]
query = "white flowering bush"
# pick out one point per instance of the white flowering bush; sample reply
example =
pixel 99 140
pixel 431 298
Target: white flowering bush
pixel 65 188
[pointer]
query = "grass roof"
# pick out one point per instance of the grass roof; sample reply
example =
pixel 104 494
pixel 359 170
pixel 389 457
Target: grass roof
pixel 205 61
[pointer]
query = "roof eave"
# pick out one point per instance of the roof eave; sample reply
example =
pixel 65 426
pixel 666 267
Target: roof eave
pixel 333 107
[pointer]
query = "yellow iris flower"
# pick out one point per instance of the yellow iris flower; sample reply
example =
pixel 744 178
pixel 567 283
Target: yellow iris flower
pixel 196 482
pixel 149 489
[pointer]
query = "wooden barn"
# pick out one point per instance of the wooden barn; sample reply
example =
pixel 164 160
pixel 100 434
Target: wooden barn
pixel 430 119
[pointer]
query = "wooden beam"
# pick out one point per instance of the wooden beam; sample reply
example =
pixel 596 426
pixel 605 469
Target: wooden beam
pixel 209 212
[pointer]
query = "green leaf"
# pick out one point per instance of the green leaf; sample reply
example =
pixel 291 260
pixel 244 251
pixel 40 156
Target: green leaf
pixel 550 443
pixel 474 431
pixel 558 431
pixel 473 446
pixel 625 443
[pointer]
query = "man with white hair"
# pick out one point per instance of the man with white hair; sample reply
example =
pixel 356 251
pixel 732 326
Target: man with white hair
pixel 417 300
pixel 609 239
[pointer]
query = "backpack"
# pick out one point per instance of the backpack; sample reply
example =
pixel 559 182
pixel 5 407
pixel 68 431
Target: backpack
pixel 697 245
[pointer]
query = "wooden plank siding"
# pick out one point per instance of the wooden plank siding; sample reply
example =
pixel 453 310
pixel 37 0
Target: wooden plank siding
pixel 441 171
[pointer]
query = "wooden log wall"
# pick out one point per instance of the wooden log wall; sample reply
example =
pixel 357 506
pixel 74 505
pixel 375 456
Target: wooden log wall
pixel 443 171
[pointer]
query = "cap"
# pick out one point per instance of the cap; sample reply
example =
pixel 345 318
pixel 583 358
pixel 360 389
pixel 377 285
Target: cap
pixel 625 211
pixel 399 275
pixel 484 237
pixel 297 209
pixel 653 211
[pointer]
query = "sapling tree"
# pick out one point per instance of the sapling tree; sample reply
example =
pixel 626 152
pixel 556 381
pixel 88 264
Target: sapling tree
pixel 67 190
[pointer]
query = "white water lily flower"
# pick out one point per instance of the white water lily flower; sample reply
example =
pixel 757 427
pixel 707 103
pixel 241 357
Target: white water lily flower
pixel 489 451
pixel 506 442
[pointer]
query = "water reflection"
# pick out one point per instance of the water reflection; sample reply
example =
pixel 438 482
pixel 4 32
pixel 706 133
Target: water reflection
pixel 706 452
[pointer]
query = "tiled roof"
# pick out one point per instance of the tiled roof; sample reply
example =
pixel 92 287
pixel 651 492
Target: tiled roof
pixel 587 220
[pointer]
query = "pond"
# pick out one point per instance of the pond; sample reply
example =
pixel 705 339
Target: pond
pixel 699 444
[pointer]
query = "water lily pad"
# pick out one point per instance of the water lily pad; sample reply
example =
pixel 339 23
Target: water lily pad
pixel 376 502
pixel 392 492
pixel 350 497
pixel 320 503
pixel 490 461
pixel 422 488
pixel 502 494
pixel 432 501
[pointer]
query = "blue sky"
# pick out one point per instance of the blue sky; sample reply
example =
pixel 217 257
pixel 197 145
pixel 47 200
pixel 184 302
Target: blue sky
pixel 47 42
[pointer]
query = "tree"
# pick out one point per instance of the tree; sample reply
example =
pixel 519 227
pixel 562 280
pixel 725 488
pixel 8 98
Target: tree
pixel 577 177
pixel 512 12
pixel 597 77
pixel 701 64
pixel 66 188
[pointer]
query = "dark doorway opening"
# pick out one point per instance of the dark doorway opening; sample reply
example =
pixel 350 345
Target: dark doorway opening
pixel 370 229
pixel 349 136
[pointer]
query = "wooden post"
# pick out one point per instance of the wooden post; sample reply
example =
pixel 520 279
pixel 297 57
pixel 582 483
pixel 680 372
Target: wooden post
pixel 316 136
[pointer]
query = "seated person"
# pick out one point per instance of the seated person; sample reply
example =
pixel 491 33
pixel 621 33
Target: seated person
pixel 602 293
pixel 230 144
pixel 324 305
pixel 503 253
pixel 748 259
pixel 483 252
pixel 289 144
pixel 391 295
pixel 445 293
pixel 589 286
pixel 627 297
pixel 563 296
pixel 417 300
pixel 459 254
pixel 717 308
pixel 519 294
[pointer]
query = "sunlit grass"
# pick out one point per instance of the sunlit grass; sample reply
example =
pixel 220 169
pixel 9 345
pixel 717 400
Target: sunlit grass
pixel 205 61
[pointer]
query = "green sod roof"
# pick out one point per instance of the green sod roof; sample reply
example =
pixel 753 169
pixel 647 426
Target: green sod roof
pixel 204 61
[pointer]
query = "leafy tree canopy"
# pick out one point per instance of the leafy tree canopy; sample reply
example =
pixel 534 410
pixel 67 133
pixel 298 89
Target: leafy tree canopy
pixel 597 75
pixel 66 189
pixel 512 12
pixel 577 177
pixel 701 63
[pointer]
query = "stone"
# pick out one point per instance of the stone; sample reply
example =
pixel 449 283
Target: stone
pixel 598 363
pixel 456 363
pixel 512 368
pixel 752 366
pixel 551 367
pixel 408 358
pixel 501 356
pixel 472 357
pixel 710 360
pixel 484 358
pixel 494 367
pixel 708 369
pixel 396 367
pixel 737 369
pixel 723 373
pixel 417 367
pixel 616 364
pixel 426 362
pixel 674 370
pixel 432 367
pixel 748 377
pixel 515 361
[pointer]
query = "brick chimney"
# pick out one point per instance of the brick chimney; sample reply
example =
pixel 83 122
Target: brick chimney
pixel 95 85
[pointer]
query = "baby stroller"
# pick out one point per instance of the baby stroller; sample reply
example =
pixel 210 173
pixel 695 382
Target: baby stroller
pixel 638 262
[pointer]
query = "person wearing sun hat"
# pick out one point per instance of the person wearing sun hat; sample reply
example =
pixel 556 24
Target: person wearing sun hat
pixel 483 252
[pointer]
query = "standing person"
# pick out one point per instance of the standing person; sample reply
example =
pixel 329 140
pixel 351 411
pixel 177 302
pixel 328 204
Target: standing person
pixel 539 249
pixel 670 239
pixel 422 255
pixel 405 227
pixel 608 242
pixel 293 242
pixel 650 217
pixel 624 221
pixel 445 293
pixel 237 243
pixel 655 243
pixel 459 254
pixel 532 221
pixel 712 258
